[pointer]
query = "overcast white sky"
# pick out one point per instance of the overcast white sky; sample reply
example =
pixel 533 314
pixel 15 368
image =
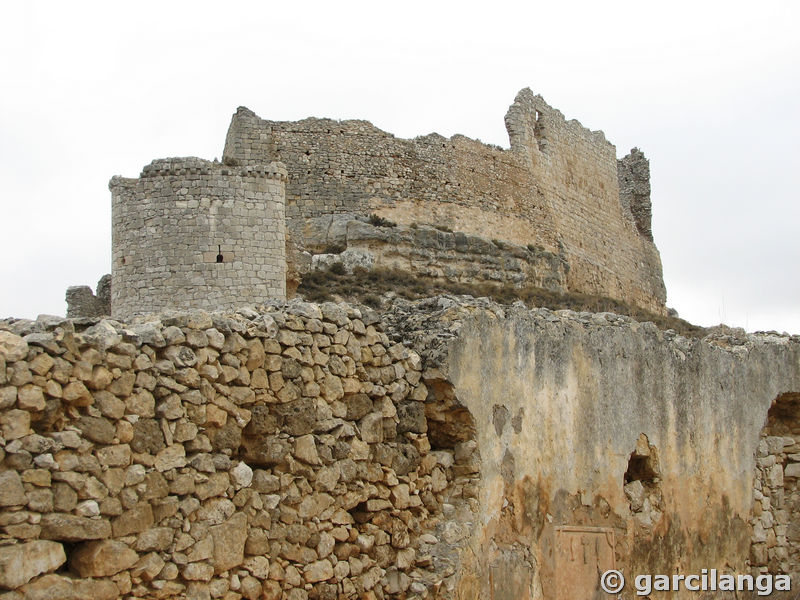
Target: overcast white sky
pixel 708 90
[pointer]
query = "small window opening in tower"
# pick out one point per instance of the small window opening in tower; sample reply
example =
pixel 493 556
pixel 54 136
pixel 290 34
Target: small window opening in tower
pixel 219 256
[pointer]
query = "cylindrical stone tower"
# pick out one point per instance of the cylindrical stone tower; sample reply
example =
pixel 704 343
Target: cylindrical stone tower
pixel 189 233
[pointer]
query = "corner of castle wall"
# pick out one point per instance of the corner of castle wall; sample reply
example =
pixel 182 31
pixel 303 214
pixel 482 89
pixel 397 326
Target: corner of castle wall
pixel 518 122
pixel 526 123
pixel 633 172
pixel 237 143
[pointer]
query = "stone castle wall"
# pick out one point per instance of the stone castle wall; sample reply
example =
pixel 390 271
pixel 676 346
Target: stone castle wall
pixel 557 188
pixel 285 455
pixel 776 494
pixel 81 302
pixel 189 233
pixel 607 443
pixel 325 452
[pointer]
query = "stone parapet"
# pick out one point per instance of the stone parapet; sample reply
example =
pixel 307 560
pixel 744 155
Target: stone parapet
pixel 198 166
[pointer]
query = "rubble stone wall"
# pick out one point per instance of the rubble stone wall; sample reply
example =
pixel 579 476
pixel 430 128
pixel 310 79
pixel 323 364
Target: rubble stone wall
pixel 450 448
pixel 279 455
pixel 556 188
pixel 776 490
pixel 190 233
pixel 82 302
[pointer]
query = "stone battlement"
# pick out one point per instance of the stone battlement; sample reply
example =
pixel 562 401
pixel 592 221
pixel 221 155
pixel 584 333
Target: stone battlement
pixel 197 166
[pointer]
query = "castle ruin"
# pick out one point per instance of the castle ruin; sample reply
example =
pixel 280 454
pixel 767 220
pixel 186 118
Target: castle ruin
pixel 556 210
pixel 214 440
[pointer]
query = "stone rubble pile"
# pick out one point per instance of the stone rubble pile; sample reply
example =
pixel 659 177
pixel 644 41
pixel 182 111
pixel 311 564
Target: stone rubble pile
pixel 281 454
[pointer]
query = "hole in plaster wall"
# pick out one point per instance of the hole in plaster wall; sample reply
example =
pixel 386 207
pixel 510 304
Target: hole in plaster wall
pixel 642 482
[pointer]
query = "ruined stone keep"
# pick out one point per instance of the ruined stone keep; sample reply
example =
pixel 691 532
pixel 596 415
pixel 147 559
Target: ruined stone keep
pixel 556 210
pixel 214 440
pixel 559 189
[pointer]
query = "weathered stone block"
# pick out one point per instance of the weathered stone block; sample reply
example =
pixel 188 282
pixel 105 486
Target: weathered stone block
pixel 12 347
pixel 97 429
pixel 12 493
pixel 71 528
pixel 20 563
pixel 135 520
pixel 318 571
pixel 157 538
pixel 229 539
pixel 15 424
pixel 64 588
pixel 103 558
pixel 411 417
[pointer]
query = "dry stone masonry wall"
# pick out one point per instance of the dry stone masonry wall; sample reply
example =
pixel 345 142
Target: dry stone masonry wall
pixel 190 233
pixel 556 188
pixel 282 455
pixel 776 495
pixel 451 448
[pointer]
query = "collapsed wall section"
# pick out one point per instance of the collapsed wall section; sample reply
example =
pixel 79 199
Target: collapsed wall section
pixel 189 233
pixel 81 302
pixel 556 188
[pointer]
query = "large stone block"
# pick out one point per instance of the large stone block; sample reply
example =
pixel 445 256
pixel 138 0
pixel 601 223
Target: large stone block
pixel 52 587
pixel 11 491
pixel 229 539
pixel 136 520
pixel 103 558
pixel 22 562
pixel 12 347
pixel 71 528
